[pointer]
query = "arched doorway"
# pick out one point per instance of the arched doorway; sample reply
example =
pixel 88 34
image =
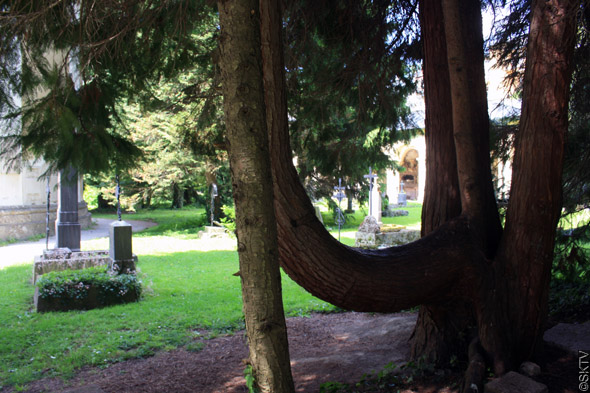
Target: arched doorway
pixel 410 176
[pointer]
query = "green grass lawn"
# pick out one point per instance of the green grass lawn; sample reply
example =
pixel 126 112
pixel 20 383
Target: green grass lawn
pixel 185 223
pixel 189 295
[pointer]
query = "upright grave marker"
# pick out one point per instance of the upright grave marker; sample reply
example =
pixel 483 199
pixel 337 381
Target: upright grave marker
pixel 67 227
pixel 402 197
pixel 340 196
pixel 370 176
pixel 120 241
pixel 214 194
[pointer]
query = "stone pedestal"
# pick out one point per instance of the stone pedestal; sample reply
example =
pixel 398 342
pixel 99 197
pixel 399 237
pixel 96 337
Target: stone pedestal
pixel 402 199
pixel 120 247
pixel 376 203
pixel 67 227
pixel 211 232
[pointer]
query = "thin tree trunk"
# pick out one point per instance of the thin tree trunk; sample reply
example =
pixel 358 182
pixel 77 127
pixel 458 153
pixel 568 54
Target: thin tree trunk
pixel 245 118
pixel 442 200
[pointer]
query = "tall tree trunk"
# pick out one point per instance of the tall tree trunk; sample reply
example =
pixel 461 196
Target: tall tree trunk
pixel 523 265
pixel 177 196
pixel 441 329
pixel 464 39
pixel 245 118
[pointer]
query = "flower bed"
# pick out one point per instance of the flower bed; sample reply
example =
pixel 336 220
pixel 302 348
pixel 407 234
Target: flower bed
pixel 84 289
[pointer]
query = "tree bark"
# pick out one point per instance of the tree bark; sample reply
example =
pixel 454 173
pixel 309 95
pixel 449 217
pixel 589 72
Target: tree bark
pixel 464 39
pixel 442 264
pixel 441 195
pixel 245 117
pixel 459 259
pixel 439 333
pixel 523 266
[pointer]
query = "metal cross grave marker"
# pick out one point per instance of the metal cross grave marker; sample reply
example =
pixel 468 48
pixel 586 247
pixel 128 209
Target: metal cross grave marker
pixel 118 195
pixel 340 196
pixel 47 215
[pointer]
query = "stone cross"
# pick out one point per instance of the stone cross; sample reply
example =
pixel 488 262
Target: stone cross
pixel 370 176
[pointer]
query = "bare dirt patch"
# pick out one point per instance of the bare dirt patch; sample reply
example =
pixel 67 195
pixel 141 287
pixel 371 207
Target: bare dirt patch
pixel 323 348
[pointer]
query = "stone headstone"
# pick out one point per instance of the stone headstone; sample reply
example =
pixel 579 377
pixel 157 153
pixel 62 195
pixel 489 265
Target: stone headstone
pixel 120 247
pixel 402 199
pixel 366 236
pixel 370 225
pixel 318 213
pixel 514 383
pixel 211 232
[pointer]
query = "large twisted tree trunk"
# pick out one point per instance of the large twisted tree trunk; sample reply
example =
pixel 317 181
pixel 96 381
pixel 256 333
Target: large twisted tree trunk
pixel 512 330
pixel 440 264
pixel 504 278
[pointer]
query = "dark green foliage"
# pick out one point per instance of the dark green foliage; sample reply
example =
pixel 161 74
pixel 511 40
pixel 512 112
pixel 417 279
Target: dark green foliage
pixel 508 46
pixel 348 75
pixel 72 288
pixel 69 126
pixel 102 53
pixel 569 301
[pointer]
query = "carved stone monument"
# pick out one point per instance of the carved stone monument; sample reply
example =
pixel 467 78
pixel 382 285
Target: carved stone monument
pixel 67 227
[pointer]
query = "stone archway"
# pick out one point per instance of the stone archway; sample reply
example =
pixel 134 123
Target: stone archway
pixel 410 176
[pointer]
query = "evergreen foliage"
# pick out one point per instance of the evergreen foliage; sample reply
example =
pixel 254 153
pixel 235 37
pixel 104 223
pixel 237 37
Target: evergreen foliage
pixel 100 54
pixel 508 46
pixel 349 71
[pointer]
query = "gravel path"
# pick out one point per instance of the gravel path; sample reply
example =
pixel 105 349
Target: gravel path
pixel 25 252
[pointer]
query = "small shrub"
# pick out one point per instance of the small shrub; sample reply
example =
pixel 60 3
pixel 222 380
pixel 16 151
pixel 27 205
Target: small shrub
pixel 250 379
pixel 229 221
pixel 87 288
